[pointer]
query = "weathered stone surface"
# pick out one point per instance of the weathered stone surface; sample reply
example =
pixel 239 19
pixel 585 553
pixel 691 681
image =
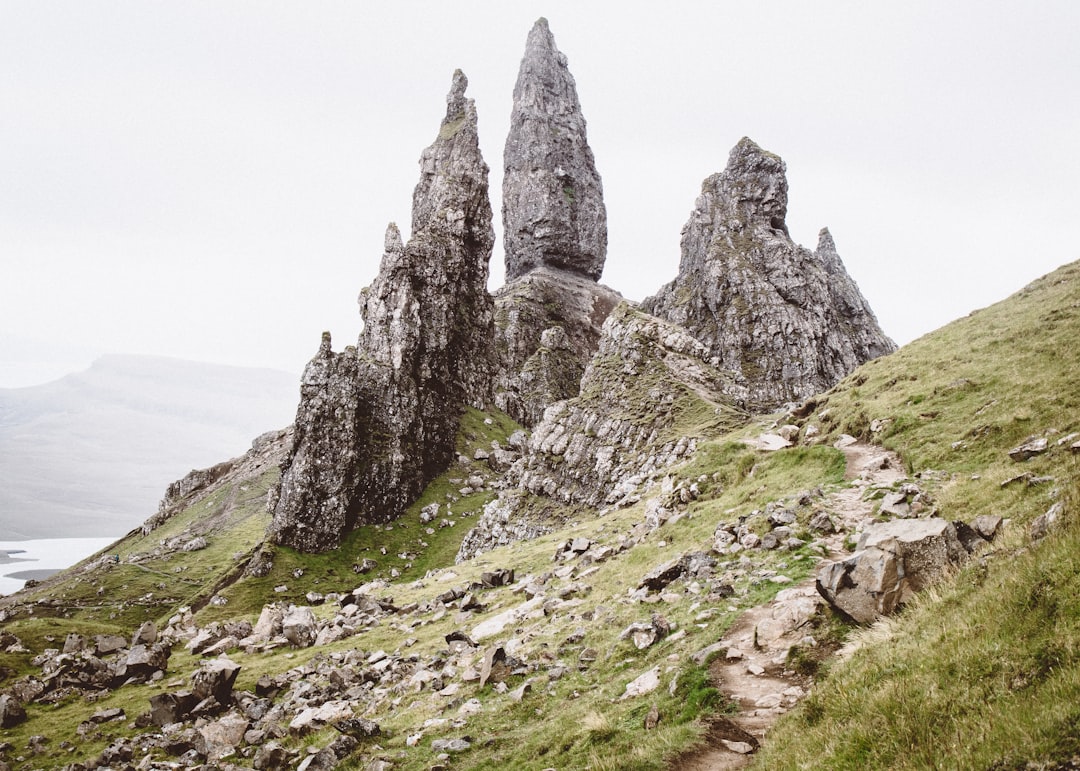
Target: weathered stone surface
pixel 299 626
pixel 553 207
pixel 220 737
pixel 1046 522
pixel 893 561
pixel 215 678
pixel 1029 449
pixel 788 322
pixel 645 683
pixel 378 422
pixel 168 708
pixel 548 324
pixel 11 711
pixel 620 434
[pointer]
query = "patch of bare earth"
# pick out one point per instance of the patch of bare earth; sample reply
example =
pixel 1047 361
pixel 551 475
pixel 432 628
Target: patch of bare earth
pixel 751 668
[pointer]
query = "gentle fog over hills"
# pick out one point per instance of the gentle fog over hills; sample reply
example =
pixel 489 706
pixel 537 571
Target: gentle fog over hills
pixel 91 454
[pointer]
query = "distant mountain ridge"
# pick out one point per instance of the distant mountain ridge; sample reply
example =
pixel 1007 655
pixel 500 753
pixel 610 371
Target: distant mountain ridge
pixel 90 454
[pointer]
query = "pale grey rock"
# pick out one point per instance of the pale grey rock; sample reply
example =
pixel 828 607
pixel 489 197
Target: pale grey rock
pixel 11 711
pixel 377 422
pixel 1029 449
pixel 619 435
pixel 893 561
pixel 548 324
pixel 220 737
pixel 215 678
pixel 299 626
pixel 987 525
pixel 787 321
pixel 645 683
pixel 553 206
pixel 1045 523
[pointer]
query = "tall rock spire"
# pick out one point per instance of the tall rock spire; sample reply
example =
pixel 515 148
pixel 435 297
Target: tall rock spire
pixel 786 321
pixel 377 423
pixel 553 205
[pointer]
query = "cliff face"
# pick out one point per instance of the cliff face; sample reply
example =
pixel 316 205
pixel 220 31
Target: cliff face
pixel 553 206
pixel 377 423
pixel 549 314
pixel 643 395
pixel 786 321
pixel 548 326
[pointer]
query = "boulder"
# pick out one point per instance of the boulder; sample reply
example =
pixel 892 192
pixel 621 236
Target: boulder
pixel 894 560
pixel 1029 449
pixel 169 708
pixel 299 626
pixel 220 737
pixel 11 711
pixel 215 678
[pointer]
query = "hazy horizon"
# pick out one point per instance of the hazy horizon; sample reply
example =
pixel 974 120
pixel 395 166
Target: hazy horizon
pixel 212 182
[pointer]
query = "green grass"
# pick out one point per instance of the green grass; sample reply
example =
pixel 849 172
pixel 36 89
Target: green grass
pixel 983 671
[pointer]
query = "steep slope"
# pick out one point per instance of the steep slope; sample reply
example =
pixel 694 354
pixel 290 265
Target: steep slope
pixel 986 672
pixel 596 652
pixel 787 321
pixel 646 398
pixel 89 454
pixel 548 325
pixel 377 423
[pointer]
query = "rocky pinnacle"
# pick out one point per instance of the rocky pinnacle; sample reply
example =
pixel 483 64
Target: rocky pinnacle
pixel 788 322
pixel 377 423
pixel 553 206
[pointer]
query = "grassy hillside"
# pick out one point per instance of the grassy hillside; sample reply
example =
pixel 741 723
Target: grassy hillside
pixel 984 672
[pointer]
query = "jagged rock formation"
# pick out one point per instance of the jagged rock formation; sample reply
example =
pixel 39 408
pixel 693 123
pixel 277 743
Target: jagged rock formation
pixel 553 207
pixel 643 395
pixel 548 325
pixel 788 322
pixel 378 422
pixel 549 314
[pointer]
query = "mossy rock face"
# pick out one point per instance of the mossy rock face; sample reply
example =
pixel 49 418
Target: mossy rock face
pixel 788 322
pixel 548 325
pixel 646 399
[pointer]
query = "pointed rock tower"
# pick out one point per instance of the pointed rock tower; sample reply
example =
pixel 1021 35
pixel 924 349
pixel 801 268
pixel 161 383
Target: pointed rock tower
pixel 551 310
pixel 553 202
pixel 378 422
pixel 788 322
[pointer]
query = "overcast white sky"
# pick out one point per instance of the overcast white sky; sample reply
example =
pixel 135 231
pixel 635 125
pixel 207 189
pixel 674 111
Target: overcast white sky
pixel 211 180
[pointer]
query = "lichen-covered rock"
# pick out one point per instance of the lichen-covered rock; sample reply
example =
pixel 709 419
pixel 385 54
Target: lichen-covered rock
pixel 378 422
pixel 644 396
pixel 547 327
pixel 788 322
pixel 553 206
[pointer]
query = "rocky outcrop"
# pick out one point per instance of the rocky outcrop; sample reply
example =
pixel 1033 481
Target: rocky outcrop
pixel 549 314
pixel 547 327
pixel 644 395
pixel 786 321
pixel 553 207
pixel 894 560
pixel 378 422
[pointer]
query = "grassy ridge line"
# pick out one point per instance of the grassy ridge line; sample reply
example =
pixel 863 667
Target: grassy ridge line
pixel 984 671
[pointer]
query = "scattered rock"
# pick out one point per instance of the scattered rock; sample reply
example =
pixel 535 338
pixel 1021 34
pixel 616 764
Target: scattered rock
pixel 1045 523
pixel 642 684
pixel 1029 449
